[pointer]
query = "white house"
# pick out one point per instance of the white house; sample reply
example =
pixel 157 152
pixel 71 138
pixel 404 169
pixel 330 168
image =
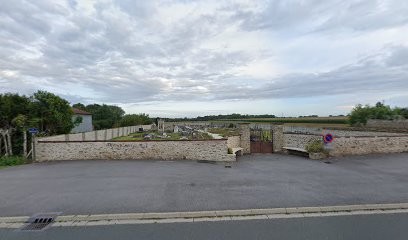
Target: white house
pixel 86 124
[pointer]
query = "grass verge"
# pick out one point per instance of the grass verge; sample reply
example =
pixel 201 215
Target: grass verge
pixel 11 161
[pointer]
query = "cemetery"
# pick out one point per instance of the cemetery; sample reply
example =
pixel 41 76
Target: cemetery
pixel 215 142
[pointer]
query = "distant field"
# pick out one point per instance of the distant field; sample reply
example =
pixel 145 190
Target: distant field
pixel 301 122
pixel 317 125
pixel 335 122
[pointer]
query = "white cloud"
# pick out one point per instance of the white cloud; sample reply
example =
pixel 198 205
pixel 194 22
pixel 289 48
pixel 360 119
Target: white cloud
pixel 139 52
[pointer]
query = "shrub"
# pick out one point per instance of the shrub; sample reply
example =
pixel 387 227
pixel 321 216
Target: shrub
pixel 12 161
pixel 316 146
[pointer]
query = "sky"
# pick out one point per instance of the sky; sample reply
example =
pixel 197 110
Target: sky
pixel 179 58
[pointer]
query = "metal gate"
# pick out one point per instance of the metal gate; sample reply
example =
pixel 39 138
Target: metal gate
pixel 261 140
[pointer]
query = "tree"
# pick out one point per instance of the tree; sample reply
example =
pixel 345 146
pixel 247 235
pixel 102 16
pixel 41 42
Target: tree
pixel 135 119
pixel 360 114
pixel 79 106
pixel 54 112
pixel 21 123
pixel 11 105
pixel 402 112
pixel 103 116
pixel 13 108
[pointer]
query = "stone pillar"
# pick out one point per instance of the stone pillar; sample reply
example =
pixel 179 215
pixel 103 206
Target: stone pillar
pixel 160 125
pixel 245 138
pixel 278 141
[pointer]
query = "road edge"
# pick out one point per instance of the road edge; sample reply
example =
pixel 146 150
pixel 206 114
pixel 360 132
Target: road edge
pixel 218 215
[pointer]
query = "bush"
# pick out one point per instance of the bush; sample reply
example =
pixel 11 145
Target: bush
pixel 12 161
pixel 361 114
pixel 229 150
pixel 316 146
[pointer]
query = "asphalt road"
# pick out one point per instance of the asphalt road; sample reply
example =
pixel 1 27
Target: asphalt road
pixel 262 181
pixel 373 227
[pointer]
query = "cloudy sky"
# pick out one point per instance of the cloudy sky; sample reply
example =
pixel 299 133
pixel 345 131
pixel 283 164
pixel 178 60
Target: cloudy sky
pixel 189 58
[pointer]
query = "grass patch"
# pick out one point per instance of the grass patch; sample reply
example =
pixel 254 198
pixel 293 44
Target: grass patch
pixel 170 136
pixel 225 132
pixel 11 161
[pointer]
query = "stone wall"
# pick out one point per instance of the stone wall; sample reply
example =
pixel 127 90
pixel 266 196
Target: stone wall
pixel 366 145
pixel 388 124
pixel 342 146
pixel 298 140
pixel 234 142
pixel 337 132
pixel 99 135
pixel 210 150
pixel 245 138
pixel 278 138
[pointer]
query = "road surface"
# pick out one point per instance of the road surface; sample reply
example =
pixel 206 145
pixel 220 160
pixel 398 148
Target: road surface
pixel 257 181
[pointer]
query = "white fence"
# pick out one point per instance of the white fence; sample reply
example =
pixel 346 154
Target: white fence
pixel 99 135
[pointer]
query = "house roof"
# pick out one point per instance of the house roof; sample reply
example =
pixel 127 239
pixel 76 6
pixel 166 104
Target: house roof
pixel 80 112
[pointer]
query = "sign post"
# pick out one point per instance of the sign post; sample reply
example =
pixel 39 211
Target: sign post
pixel 33 132
pixel 328 139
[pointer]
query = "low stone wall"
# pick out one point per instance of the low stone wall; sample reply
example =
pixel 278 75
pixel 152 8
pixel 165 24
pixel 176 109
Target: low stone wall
pixel 210 150
pixel 342 146
pixel 299 140
pixel 234 142
pixel 366 145
pixel 99 135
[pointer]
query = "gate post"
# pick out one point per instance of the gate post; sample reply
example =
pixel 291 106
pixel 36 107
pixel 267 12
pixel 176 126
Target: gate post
pixel 277 136
pixel 245 138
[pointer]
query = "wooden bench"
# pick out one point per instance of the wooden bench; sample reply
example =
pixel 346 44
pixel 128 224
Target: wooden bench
pixel 237 151
pixel 297 151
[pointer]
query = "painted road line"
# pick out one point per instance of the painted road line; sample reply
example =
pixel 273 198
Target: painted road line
pixel 221 215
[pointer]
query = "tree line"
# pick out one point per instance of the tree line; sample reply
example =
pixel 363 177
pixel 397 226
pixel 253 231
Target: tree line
pixel 52 115
pixel 221 117
pixel 108 116
pixel 361 114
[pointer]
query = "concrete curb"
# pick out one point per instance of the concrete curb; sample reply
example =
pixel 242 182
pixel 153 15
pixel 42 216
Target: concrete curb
pixel 221 215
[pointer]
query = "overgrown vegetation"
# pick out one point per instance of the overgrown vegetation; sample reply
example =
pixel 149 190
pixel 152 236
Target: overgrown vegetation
pixel 109 116
pixel 135 119
pixel 11 161
pixel 170 136
pixel 52 115
pixel 316 146
pixel 43 110
pixel 225 132
pixel 361 114
pixel 230 151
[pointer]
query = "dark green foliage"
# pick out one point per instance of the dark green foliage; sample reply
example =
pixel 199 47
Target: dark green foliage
pixel 44 110
pixel 103 116
pixel 402 112
pixel 230 151
pixel 316 146
pixel 11 161
pixel 54 112
pixel 360 114
pixel 11 105
pixel 135 119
